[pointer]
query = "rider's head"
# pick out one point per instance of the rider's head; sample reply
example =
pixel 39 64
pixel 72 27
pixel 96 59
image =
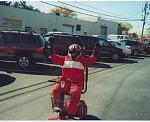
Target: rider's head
pixel 74 51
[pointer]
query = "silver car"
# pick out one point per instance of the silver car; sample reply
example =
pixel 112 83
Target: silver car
pixel 126 49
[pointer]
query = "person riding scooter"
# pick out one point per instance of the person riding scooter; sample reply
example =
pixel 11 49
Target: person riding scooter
pixel 72 69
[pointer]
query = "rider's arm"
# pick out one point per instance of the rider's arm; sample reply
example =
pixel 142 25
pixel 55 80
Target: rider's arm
pixel 57 59
pixel 89 61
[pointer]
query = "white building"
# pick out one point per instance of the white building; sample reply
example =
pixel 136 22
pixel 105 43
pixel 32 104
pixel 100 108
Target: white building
pixel 16 18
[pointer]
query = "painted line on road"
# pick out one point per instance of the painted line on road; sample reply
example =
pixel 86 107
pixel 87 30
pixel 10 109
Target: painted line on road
pixel 52 80
pixel 24 93
pixel 23 88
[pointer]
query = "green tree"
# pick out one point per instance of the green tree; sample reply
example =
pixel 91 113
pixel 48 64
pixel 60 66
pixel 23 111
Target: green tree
pixel 63 11
pixel 133 35
pixel 23 5
pixel 16 5
pixel 5 3
pixel 126 26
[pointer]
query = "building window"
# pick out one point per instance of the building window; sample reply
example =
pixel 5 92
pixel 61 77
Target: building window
pixel 85 33
pixel 4 24
pixel 78 27
pixel 27 28
pixel 43 31
pixel 54 30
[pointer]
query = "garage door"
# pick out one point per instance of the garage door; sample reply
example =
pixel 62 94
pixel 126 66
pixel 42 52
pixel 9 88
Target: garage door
pixel 12 23
pixel 68 29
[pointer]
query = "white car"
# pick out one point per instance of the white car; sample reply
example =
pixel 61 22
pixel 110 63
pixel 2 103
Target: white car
pixel 126 48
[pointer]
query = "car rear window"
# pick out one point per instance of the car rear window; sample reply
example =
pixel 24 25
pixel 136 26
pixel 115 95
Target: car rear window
pixel 134 43
pixel 10 38
pixel 89 42
pixel 67 40
pixel 33 40
pixel 28 39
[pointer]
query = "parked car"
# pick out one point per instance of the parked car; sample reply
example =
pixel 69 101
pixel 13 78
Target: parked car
pixel 126 49
pixel 61 42
pixel 136 47
pixel 106 50
pixel 146 47
pixel 24 47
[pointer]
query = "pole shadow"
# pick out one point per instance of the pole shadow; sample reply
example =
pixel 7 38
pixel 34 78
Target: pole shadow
pixel 6 80
pixel 37 69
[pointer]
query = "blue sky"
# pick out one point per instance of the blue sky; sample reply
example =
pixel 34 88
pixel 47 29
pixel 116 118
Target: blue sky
pixel 124 9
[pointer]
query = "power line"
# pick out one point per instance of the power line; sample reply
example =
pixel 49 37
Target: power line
pixel 92 11
pixel 123 19
pixel 90 14
pixel 102 10
pixel 67 9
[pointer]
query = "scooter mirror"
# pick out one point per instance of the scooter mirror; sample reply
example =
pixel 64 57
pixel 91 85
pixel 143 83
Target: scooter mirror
pixel 62 84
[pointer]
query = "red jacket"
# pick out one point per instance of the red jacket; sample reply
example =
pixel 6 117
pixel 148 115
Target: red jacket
pixel 73 70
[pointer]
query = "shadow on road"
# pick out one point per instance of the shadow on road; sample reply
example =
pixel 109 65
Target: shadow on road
pixel 6 80
pixel 135 57
pixel 141 56
pixel 101 65
pixel 144 55
pixel 129 61
pixel 37 69
pixel 89 117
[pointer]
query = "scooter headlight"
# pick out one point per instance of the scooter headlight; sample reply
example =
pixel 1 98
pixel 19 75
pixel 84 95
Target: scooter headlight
pixel 62 84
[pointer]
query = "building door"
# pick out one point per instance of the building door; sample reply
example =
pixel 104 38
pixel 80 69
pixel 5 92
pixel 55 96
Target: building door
pixel 68 29
pixel 103 32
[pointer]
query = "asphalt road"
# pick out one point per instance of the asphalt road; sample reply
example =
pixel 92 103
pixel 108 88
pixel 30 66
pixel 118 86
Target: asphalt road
pixel 116 91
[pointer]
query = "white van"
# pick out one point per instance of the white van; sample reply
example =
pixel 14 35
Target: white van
pixel 117 37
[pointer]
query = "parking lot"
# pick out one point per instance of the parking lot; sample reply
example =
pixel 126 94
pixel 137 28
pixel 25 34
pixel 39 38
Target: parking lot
pixel 23 90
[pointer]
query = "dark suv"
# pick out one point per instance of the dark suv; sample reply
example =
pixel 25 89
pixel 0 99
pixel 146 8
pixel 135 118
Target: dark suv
pixel 61 42
pixel 106 50
pixel 136 47
pixel 24 47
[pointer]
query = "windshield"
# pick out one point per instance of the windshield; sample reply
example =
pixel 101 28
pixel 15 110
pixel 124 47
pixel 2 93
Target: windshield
pixel 103 42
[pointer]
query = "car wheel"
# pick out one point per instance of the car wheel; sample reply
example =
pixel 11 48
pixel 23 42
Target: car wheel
pixel 115 57
pixel 24 61
pixel 135 52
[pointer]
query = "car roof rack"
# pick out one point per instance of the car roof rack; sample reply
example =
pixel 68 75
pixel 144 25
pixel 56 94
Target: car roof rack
pixel 19 31
pixel 58 33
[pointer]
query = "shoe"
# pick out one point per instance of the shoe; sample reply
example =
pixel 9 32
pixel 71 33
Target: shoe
pixel 56 109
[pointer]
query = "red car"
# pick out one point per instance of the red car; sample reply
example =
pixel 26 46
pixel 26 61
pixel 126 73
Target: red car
pixel 147 47
pixel 24 47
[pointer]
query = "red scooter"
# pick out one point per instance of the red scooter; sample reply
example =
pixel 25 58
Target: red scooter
pixel 65 98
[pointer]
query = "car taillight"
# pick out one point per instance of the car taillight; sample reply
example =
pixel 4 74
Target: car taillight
pixel 39 50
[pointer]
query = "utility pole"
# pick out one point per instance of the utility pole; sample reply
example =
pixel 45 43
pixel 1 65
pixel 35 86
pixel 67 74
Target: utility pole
pixel 145 13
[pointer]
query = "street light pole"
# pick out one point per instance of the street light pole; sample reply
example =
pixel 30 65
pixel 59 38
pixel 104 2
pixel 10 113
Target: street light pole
pixel 145 12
